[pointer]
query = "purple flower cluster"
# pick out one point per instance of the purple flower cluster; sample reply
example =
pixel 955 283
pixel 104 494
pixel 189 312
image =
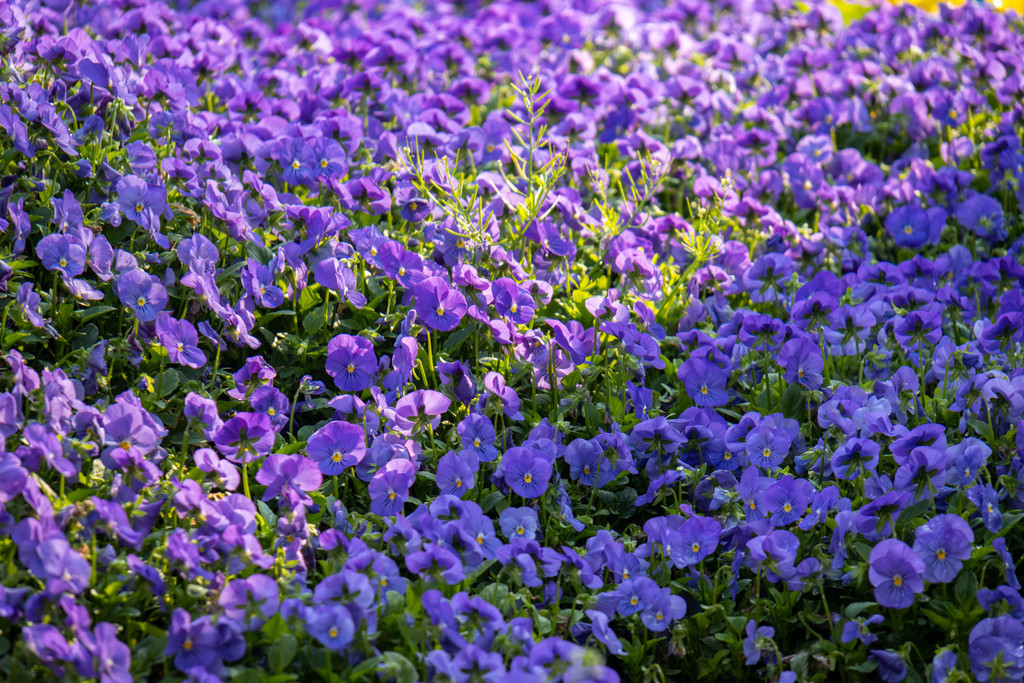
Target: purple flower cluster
pixel 333 343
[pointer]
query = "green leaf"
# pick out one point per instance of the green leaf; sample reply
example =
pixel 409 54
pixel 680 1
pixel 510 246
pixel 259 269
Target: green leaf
pixel 400 668
pixel 855 608
pixel 313 320
pixel 168 382
pixel 491 500
pixel 966 588
pixel 265 512
pixel 365 667
pixel 95 312
pixel 937 619
pixel 456 338
pixel 283 651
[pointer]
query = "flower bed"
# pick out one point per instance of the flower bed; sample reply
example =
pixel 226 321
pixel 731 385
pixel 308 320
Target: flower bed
pixel 510 342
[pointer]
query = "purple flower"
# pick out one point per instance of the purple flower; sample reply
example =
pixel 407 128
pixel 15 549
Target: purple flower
pixel 767 446
pixel 419 409
pixel 855 457
pixel 272 403
pixel 295 472
pixel 143 293
pixel 895 571
pixel 436 563
pixel 62 253
pixel 586 464
pixel 858 629
pixel 13 477
pixel 705 382
pixel 984 216
pixel 663 609
pixel 527 471
pixel 336 446
pixel 495 383
pixel 758 642
pixel 180 339
pixel 986 499
pixel 29 301
pixel 109 658
pixel 457 376
pixel 140 201
pixel 603 633
pixel 801 359
pixel 511 301
pixel 390 486
pixel 943 542
pixel 438 305
pixel 245 437
pixel 336 276
pixel 1009 566
pixel 518 523
pixel 250 601
pixel 698 538
pixel 786 500
pixel 477 435
pixel 332 625
pixel 455 472
pixel 258 281
pixel 996 648
pixel 351 362
pixel 200 644
pixel 891 667
pixel 913 227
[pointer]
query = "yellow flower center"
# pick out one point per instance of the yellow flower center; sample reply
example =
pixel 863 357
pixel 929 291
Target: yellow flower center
pixel 336 457
pixel 351 367
pixel 296 164
pixel 766 453
pixel 519 531
pixel 440 311
pixel 141 301
pixel 187 645
pixel 528 478
pixel 333 633
pixel 695 547
pixel 476 443
pixel 704 390
pixel 787 508
pixel 391 495
pixel 941 554
pixel 633 600
pixel 139 207
pixel 897 580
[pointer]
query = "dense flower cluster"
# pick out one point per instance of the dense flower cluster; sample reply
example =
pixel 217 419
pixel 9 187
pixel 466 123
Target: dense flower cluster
pixel 558 341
